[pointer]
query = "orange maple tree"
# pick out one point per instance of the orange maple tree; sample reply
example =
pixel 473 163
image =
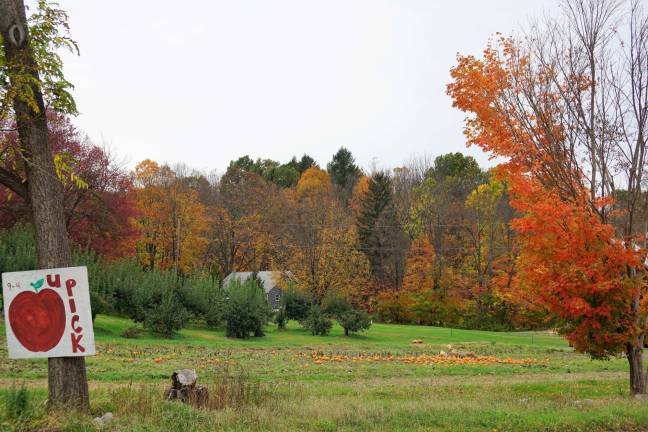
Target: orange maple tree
pixel 419 268
pixel 586 271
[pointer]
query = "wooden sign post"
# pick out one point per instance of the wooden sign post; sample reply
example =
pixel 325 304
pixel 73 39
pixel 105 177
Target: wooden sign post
pixel 47 313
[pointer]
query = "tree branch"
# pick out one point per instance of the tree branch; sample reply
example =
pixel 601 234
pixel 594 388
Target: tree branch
pixel 14 183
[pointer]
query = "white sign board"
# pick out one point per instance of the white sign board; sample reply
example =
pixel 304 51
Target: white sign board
pixel 47 313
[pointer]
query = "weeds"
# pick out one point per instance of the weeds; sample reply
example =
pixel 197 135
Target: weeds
pixel 130 399
pixel 236 390
pixel 17 404
pixel 233 389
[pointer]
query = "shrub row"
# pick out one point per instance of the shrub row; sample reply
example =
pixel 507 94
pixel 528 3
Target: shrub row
pixel 317 319
pixel 164 302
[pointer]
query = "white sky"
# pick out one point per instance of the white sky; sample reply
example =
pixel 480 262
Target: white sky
pixel 205 82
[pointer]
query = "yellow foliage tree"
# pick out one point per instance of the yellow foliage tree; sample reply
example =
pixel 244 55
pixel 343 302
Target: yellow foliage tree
pixel 173 222
pixel 359 190
pixel 314 182
pixel 319 243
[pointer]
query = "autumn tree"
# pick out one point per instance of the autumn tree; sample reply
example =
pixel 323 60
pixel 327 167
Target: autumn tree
pixel 240 233
pixel 419 268
pixel 150 200
pixel 314 183
pixel 420 294
pixel 232 241
pixel 99 215
pixel 319 241
pixel 567 107
pixel 438 212
pixel 359 190
pixel 283 175
pixel 427 301
pixel 405 181
pixel 437 207
pixel 31 77
pixel 172 220
pixel 490 246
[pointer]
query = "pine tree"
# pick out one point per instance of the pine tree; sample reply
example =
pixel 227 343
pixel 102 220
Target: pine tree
pixel 381 236
pixel 344 173
pixel 302 164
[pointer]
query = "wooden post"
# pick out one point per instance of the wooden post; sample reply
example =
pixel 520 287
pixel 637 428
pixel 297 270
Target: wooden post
pixel 67 382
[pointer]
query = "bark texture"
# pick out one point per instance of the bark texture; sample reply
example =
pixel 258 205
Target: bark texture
pixel 634 354
pixel 67 382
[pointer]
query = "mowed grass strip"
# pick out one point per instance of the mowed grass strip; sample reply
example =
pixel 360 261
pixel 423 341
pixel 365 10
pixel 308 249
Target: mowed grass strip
pixel 380 335
pixel 289 388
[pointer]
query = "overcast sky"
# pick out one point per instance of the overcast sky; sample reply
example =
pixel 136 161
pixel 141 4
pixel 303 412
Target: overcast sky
pixel 205 82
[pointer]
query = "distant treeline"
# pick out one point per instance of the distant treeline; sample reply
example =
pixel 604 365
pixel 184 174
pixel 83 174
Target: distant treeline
pixel 428 242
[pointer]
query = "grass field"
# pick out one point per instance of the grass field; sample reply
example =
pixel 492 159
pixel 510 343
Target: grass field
pixel 378 380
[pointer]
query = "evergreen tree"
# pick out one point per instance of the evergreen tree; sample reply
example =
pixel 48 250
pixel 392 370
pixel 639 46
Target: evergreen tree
pixel 381 236
pixel 344 172
pixel 303 164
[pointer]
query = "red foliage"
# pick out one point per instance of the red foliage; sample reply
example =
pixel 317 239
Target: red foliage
pixel 99 217
pixel 570 261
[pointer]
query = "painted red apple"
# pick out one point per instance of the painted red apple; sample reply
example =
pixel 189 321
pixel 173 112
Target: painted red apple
pixel 37 319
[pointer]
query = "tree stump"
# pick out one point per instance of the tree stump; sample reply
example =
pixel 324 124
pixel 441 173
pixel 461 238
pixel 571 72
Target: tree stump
pixel 184 388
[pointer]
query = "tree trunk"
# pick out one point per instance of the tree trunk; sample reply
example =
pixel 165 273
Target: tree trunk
pixel 634 354
pixel 634 347
pixel 346 332
pixel 68 386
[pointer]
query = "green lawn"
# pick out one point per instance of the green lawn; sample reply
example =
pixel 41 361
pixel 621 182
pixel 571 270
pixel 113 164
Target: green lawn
pixel 291 380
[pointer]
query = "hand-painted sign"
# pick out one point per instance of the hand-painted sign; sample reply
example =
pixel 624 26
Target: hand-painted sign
pixel 47 313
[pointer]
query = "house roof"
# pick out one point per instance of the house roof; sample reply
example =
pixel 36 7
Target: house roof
pixel 269 278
